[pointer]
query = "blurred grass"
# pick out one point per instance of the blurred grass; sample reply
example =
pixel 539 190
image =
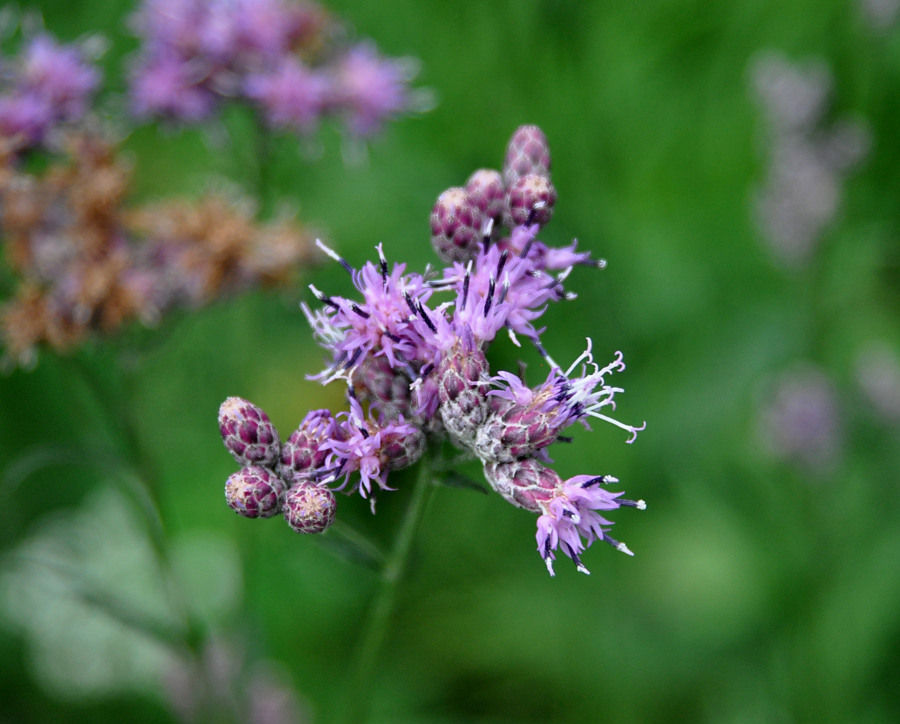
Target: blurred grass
pixel 757 593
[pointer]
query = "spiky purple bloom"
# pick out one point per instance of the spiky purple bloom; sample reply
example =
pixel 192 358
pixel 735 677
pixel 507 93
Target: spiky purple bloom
pixel 309 507
pixel 371 448
pixel 248 433
pixel 379 324
pixel 527 420
pixel 254 492
pixel 567 508
pixel 416 370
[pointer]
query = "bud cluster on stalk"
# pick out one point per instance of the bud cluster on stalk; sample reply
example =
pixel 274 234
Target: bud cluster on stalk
pixel 416 371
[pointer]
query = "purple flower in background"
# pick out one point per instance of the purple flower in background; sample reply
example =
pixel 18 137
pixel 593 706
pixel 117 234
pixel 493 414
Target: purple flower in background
pixel 291 95
pixel 167 85
pixel 369 89
pixel 800 419
pixel 49 83
pixel 276 55
pixel 800 195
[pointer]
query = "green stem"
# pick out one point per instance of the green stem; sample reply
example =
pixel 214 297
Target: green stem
pixel 376 626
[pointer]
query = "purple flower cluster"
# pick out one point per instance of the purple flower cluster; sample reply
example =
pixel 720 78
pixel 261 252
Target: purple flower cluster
pixel 420 365
pixel 47 84
pixel 801 193
pixel 277 55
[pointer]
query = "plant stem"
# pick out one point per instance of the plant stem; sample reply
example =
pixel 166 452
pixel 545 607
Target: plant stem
pixel 375 630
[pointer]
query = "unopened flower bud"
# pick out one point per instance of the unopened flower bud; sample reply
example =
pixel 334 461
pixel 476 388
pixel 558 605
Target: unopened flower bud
pixel 525 483
pixel 309 508
pixel 386 388
pixel 526 153
pixel 302 453
pixel 247 432
pixel 456 226
pixel 461 376
pixel 401 450
pixel 254 492
pixel 530 200
pixel 486 191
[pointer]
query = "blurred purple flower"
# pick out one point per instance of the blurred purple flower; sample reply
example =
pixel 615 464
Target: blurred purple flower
pixel 800 419
pixel 291 95
pixel 49 83
pixel 370 89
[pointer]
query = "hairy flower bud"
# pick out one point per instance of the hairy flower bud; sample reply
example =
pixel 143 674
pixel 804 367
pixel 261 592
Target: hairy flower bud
pixel 309 508
pixel 247 432
pixel 302 453
pixel 530 200
pixel 456 226
pixel 461 376
pixel 524 483
pixel 526 153
pixel 515 431
pixel 387 388
pixel 486 191
pixel 401 450
pixel 254 492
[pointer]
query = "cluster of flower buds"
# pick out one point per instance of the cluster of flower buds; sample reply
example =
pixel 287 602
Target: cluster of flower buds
pixel 522 195
pixel 801 193
pixel 85 262
pixel 47 85
pixel 280 56
pixel 421 367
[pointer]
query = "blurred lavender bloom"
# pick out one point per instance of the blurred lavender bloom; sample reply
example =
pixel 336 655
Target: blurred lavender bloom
pixel 878 376
pixel 801 193
pixel 291 95
pixel 165 84
pixel 800 419
pixel 370 89
pixel 50 83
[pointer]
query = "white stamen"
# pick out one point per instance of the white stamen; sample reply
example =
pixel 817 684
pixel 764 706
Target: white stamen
pixel 328 250
pixel 624 548
pixel 582 569
pixel 512 337
pixel 640 505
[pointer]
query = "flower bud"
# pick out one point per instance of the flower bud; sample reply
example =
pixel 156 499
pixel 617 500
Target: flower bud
pixel 461 376
pixel 485 190
pixel 526 153
pixel 524 483
pixel 254 492
pixel 456 226
pixel 530 200
pixel 402 450
pixel 302 453
pixel 309 508
pixel 247 432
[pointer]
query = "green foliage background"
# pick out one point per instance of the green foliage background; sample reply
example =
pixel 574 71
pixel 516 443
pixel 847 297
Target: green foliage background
pixel 757 593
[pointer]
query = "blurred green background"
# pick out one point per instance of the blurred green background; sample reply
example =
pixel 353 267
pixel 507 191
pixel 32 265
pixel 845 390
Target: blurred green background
pixel 761 590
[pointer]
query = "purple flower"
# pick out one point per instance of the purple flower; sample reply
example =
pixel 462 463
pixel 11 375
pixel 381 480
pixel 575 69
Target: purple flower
pixel 51 83
pixel 371 448
pixel 567 508
pixel 290 95
pixel 379 325
pixel 370 89
pixel 526 420
pixel 167 85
